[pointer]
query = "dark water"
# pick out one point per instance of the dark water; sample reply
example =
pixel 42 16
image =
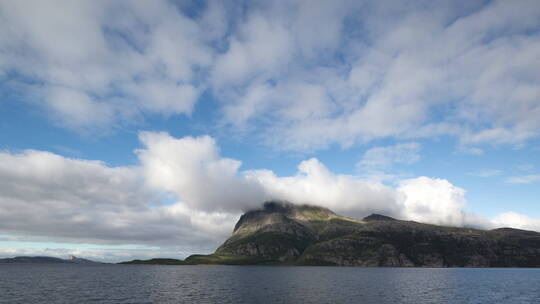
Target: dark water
pixel 254 284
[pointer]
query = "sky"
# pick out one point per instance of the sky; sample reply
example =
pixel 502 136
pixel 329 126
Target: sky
pixel 140 129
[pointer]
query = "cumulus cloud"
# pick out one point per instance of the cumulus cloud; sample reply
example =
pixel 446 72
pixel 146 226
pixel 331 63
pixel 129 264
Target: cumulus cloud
pixel 316 184
pixel 516 220
pixel 435 201
pixel 44 194
pixel 183 195
pixel 193 170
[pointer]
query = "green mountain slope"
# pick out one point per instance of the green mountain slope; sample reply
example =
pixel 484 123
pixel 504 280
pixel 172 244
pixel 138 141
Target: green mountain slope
pixel 282 233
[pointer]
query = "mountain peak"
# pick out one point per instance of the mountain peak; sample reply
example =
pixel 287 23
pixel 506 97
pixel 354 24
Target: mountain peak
pixel 277 206
pixel 378 217
pixel 277 211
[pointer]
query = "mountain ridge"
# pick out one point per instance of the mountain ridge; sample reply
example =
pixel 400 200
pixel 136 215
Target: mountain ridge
pixel 281 233
pixel 45 260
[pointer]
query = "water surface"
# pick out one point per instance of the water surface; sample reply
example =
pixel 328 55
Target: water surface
pixel 57 283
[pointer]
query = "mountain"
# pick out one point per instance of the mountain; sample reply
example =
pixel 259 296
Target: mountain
pixel 287 234
pixel 75 260
pixel 157 261
pixel 45 260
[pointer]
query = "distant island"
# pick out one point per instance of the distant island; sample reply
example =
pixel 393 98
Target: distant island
pixel 281 233
pixel 45 260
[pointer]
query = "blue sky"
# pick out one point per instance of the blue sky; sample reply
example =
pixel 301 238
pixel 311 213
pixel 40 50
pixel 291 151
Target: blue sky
pixel 137 129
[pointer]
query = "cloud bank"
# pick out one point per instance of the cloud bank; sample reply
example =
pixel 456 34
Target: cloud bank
pixel 185 195
pixel 99 64
pixel 302 76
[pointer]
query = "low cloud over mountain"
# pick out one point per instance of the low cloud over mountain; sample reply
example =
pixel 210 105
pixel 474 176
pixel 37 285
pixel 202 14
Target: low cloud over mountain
pixel 183 192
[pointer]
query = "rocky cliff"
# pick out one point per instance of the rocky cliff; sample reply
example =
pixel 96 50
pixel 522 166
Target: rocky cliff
pixel 283 233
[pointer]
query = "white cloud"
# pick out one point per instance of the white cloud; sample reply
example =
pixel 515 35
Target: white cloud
pixel 44 194
pixel 316 184
pixel 523 179
pixel 486 173
pixel 525 167
pixel 516 220
pixel 470 150
pixel 428 70
pixel 299 75
pixel 385 157
pixel 73 107
pixel 294 101
pixel 260 46
pixel 192 169
pixel 434 201
pixel 94 64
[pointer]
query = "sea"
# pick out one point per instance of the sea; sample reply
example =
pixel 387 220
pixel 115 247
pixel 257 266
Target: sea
pixel 108 283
